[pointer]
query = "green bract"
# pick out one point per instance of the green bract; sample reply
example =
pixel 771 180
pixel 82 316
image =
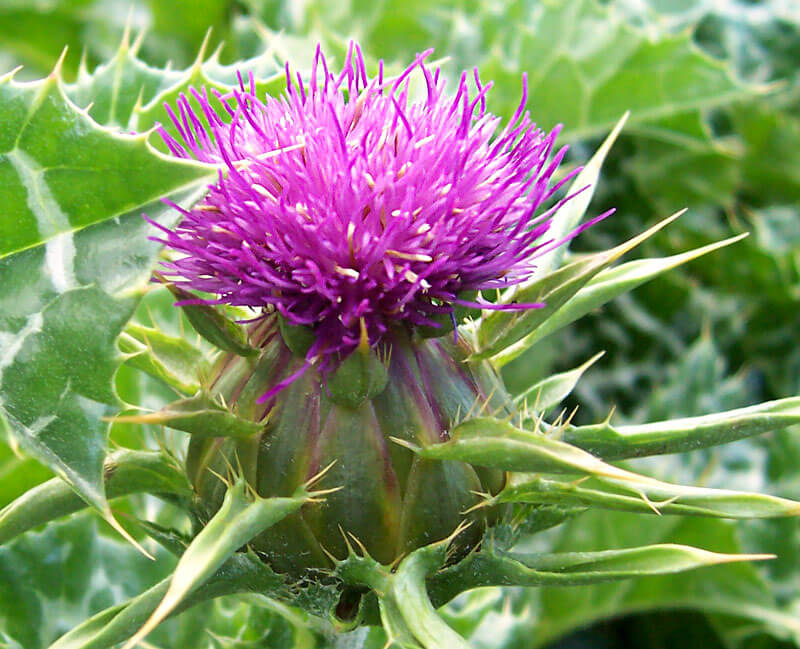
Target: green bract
pixel 370 496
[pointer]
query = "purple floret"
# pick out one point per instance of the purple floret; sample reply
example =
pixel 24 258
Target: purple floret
pixel 349 208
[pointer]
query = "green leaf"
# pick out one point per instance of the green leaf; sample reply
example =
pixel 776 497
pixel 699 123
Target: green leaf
pixel 536 617
pixel 93 571
pixel 500 329
pixel 200 415
pixel 61 171
pixel 241 573
pixel 586 64
pixel 680 435
pixel 410 595
pixel 35 34
pixel 18 473
pixel 494 443
pixel 173 360
pixel 645 496
pixel 116 87
pixel 239 519
pixel 772 138
pixel 572 568
pixel 212 75
pixel 591 66
pixel 570 215
pixel 491 442
pixel 554 389
pixel 213 325
pixel 603 288
pixel 126 472
pixel 61 307
pixel 56 383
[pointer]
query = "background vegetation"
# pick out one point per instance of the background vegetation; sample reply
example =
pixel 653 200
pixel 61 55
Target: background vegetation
pixel 713 89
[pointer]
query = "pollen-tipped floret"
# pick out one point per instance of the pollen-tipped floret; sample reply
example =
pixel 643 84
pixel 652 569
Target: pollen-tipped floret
pixel 349 208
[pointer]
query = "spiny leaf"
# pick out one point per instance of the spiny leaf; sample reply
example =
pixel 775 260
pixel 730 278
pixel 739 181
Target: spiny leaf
pixel 127 92
pixel 500 329
pixel 239 519
pixel 69 392
pixel 212 325
pixel 572 568
pixel 646 496
pixel 200 415
pixel 570 215
pixel 410 597
pixel 126 472
pixel 241 573
pixel 490 442
pixel 211 75
pixel 362 570
pixel 554 389
pixel 679 435
pixel 61 171
pixel 112 91
pixel 61 307
pixel 173 360
pixel 607 285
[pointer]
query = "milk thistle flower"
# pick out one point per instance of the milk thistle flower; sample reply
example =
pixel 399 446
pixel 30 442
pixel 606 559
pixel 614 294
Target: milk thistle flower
pixel 356 221
pixel 349 209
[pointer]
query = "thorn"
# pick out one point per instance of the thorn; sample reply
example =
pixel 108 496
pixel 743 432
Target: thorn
pixel 152 318
pixel 56 73
pixel 346 541
pixel 231 471
pixel 480 505
pixel 607 421
pixel 137 42
pixel 537 424
pixel 649 503
pixel 328 554
pixel 405 443
pixel 316 478
pixel 570 417
pixel 314 496
pixel 108 516
pixel 360 545
pixel 83 67
pixel 457 419
pixel 217 52
pixel 201 54
pixel 578 481
pixel 10 75
pixel 486 402
pixel 463 525
pixel 125 43
pixel 223 480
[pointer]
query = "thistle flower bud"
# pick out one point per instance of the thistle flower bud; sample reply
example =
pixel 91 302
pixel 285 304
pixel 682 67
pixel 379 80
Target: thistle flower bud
pixel 390 500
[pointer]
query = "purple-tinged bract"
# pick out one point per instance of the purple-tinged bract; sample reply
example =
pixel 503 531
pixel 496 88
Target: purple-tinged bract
pixel 351 209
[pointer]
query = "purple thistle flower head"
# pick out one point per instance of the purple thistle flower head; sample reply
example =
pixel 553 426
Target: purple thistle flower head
pixel 351 209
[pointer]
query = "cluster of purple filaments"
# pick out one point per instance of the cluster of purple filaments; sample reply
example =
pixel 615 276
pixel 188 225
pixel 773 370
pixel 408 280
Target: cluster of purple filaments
pixel 348 208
